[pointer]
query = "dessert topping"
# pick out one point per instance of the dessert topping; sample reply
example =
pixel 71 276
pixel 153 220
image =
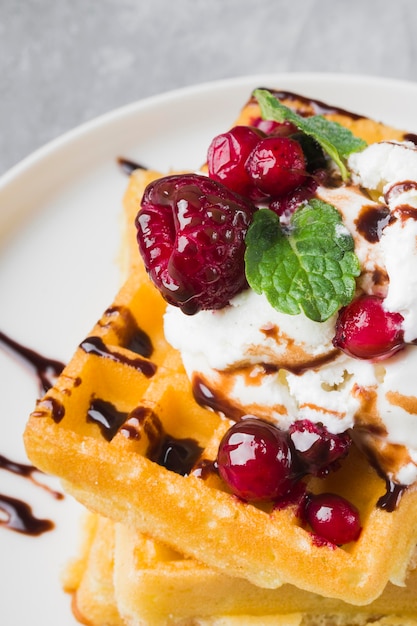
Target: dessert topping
pixel 333 518
pixel 365 330
pixel 191 232
pixel 227 156
pixel 321 261
pixel 255 460
pixel 260 462
pixel 277 165
pixel 312 269
pixel 317 448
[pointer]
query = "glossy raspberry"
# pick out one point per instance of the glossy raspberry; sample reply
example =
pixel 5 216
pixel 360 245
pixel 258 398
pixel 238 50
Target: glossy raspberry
pixel 227 155
pixel 190 232
pixel 277 165
pixel 333 518
pixel 316 447
pixel 255 460
pixel 365 330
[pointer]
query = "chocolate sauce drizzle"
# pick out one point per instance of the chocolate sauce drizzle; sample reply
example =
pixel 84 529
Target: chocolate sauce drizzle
pixel 205 468
pixel 177 455
pixel 46 370
pixel 399 188
pixel 106 416
pixel 405 212
pixel 49 406
pixel 123 323
pixel 96 346
pixel 27 471
pixel 141 343
pixel 372 220
pixel 391 498
pixel 19 517
pixel 16 514
pixel 411 137
pixel 208 398
pixel 316 106
pixel 128 166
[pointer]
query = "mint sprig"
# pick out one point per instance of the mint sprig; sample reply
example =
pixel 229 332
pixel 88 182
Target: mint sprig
pixel 312 269
pixel 336 140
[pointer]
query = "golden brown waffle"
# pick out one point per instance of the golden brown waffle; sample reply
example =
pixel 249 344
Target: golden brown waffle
pixel 89 577
pixel 103 427
pixel 125 571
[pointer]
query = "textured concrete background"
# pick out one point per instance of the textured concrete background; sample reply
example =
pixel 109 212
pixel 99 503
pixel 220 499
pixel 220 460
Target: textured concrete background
pixel 63 62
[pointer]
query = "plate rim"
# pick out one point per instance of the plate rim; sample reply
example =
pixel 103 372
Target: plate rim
pixel 131 108
pixel 98 123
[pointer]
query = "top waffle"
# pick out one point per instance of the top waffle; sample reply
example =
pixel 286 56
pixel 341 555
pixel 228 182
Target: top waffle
pixel 122 428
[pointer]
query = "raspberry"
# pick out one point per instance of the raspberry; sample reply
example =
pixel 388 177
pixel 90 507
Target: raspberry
pixel 190 232
pixel 255 460
pixel 365 330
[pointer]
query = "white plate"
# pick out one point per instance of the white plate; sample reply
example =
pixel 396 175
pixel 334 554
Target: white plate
pixel 59 212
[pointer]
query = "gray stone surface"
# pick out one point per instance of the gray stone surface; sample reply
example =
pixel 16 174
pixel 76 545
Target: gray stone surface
pixel 63 62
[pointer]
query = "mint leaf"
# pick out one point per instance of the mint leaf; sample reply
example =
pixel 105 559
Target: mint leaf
pixel 339 142
pixel 312 269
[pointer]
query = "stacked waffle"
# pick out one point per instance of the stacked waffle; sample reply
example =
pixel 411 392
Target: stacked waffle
pixel 166 542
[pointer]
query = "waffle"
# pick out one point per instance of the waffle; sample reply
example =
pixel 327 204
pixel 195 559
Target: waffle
pixel 124 572
pixel 103 429
pixel 89 576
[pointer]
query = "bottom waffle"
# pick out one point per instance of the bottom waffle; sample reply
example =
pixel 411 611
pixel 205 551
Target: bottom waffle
pixel 118 577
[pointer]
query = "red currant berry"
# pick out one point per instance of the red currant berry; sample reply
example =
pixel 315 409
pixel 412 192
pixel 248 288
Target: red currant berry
pixel 334 518
pixel 190 232
pixel 277 165
pixel 270 127
pixel 255 460
pixel 227 155
pixel 316 447
pixel 285 205
pixel 365 330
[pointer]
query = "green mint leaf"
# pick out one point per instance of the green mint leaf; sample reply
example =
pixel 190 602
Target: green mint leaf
pixel 339 142
pixel 311 270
